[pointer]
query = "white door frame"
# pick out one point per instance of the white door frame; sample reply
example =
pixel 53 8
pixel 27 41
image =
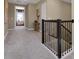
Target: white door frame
pixel 15 15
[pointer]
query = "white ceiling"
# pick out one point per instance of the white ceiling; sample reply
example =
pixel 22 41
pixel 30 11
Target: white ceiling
pixel 23 2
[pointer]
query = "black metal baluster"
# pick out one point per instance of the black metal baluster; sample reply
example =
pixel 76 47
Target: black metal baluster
pixel 46 33
pixel 67 37
pixel 59 37
pixel 53 35
pixel 70 39
pixel 71 34
pixel 43 31
pixel 49 31
pixel 64 38
pixel 50 34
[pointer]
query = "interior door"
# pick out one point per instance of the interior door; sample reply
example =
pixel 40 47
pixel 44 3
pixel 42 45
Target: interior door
pixel 19 17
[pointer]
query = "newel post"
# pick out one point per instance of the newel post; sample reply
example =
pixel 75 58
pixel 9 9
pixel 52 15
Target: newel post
pixel 59 37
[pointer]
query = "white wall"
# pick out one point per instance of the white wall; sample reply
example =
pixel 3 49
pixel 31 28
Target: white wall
pixel 11 16
pixel 49 9
pixel 43 10
pixel 43 13
pixel 58 9
pixel 72 9
pixel 31 15
pixel 26 16
pixel 6 17
pixel 73 24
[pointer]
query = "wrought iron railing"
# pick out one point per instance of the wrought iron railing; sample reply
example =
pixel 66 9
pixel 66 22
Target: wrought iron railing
pixel 57 36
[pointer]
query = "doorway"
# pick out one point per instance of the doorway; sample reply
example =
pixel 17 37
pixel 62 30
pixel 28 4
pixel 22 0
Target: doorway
pixel 19 16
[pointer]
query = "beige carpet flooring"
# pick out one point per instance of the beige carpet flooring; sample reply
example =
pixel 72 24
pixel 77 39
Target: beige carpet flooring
pixel 25 44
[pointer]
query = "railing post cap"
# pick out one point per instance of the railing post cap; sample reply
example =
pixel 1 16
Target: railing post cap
pixel 72 20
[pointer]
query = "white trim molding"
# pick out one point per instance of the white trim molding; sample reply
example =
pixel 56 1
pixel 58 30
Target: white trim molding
pixel 69 53
pixel 5 35
pixel 55 55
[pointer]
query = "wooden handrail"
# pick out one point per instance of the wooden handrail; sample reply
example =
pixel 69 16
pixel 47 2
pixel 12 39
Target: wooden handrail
pixel 68 21
pixel 57 20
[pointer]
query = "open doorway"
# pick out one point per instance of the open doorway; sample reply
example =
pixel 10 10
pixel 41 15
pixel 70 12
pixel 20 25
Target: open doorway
pixel 19 16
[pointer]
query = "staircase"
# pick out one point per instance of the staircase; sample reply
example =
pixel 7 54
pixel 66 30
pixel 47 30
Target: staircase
pixel 57 36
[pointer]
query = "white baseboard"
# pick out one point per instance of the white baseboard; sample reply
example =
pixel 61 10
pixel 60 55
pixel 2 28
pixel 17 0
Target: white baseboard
pixel 55 55
pixel 29 28
pixel 25 28
pixel 40 31
pixel 69 53
pixel 5 35
pixel 10 29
